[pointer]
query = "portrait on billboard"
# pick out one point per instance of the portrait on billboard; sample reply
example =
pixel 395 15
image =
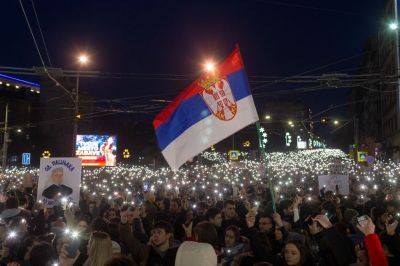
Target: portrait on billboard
pixel 97 150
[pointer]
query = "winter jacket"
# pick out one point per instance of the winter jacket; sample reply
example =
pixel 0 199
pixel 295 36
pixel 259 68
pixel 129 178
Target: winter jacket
pixel 334 248
pixel 144 254
pixel 375 251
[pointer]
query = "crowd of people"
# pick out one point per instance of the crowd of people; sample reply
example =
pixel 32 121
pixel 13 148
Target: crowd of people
pixel 211 212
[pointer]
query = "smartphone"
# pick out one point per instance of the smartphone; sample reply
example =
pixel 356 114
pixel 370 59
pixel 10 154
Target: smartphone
pixel 362 220
pixel 73 247
pixel 145 186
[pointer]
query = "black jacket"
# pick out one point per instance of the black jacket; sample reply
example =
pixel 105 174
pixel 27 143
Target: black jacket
pixel 52 191
pixel 166 259
pixel 334 248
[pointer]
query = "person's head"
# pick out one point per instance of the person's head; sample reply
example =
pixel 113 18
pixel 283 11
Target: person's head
pixel 205 232
pixel 162 233
pixel 202 208
pixel 99 248
pixel 232 236
pixel 83 225
pixel 99 224
pixel 318 223
pixel 229 209
pixel 110 140
pixel 214 216
pixel 362 256
pixel 42 254
pixel 57 175
pixel 175 205
pixel 120 260
pixel 112 214
pixel 11 203
pixel 328 208
pixel 195 254
pixel 286 207
pixel 23 203
pixel 19 225
pixel 391 207
pixel 294 253
pixel 265 223
pixel 92 207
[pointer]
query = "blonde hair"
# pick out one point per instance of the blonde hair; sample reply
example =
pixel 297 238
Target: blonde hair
pixel 99 249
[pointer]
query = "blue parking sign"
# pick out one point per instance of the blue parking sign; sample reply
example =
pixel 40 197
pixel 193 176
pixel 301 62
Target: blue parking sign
pixel 26 159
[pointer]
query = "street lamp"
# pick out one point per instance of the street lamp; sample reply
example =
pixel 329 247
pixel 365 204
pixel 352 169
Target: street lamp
pixel 336 122
pixel 268 117
pixel 209 66
pixel 393 26
pixel 83 60
pixel 290 122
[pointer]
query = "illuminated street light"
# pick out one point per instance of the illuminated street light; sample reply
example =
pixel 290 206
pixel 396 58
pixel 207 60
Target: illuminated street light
pixel 268 117
pixel 336 122
pixel 393 26
pixel 209 66
pixel 290 122
pixel 83 59
pixel 19 130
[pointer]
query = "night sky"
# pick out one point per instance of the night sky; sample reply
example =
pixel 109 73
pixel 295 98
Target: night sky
pixel 277 38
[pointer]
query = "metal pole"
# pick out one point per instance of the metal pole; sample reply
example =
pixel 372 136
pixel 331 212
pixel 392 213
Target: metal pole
pixel 396 19
pixel 5 143
pixel 356 132
pixel 265 161
pixel 75 127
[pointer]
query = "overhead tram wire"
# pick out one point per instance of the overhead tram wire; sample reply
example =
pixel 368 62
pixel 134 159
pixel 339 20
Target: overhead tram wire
pixel 39 53
pixel 41 33
pixel 308 71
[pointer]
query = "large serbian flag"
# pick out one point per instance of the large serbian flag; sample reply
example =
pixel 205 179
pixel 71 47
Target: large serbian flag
pixel 212 108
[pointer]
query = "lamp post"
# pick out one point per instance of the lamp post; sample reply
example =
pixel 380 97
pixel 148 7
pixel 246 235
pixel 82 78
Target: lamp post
pixel 82 60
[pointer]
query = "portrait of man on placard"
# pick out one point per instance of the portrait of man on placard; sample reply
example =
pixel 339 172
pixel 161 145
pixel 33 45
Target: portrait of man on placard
pixel 57 189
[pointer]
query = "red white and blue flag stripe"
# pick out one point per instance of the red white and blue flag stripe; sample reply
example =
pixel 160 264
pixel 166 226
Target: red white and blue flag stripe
pixel 212 108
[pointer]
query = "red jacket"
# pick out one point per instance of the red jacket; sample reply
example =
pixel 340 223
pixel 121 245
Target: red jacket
pixel 375 251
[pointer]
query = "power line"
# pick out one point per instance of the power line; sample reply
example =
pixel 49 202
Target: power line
pixel 41 33
pixel 308 71
pixel 40 55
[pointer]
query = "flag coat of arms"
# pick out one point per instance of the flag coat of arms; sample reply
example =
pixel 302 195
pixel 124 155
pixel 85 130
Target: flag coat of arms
pixel 215 106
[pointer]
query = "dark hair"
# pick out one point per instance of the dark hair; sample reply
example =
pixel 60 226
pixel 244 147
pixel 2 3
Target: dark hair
pixel 164 225
pixel 22 201
pixel 204 205
pixel 264 215
pixel 284 204
pixel 99 224
pixel 212 212
pixel 235 230
pixel 12 203
pixel 229 202
pixel 206 233
pixel 120 260
pixel 306 257
pixel 15 222
pixel 177 201
pixel 42 255
pixel 328 206
pixel 113 229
